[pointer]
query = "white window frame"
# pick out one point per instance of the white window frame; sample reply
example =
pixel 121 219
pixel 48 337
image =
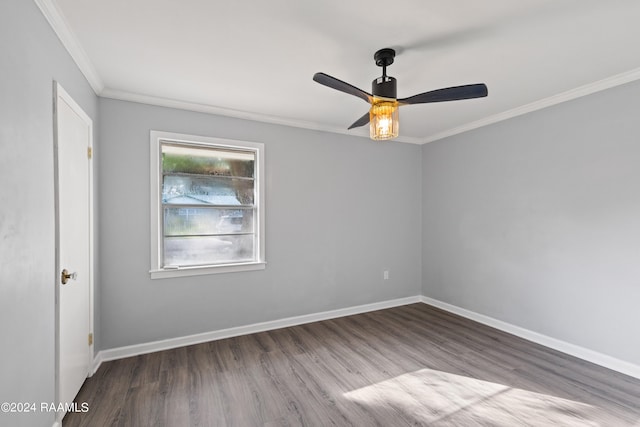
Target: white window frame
pixel 157 232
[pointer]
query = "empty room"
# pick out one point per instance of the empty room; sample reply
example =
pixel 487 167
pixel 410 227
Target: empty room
pixel 319 213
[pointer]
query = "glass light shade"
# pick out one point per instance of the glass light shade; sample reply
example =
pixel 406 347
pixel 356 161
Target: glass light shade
pixel 384 119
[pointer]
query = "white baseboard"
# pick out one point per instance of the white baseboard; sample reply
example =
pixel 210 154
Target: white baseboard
pixel 97 361
pixel 601 359
pixel 56 424
pixel 151 347
pixel 610 362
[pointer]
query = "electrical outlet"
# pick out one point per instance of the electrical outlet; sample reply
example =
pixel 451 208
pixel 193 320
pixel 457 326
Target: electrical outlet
pixel 386 275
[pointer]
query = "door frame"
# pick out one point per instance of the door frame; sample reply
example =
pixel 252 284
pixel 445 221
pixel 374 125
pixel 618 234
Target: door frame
pixel 59 94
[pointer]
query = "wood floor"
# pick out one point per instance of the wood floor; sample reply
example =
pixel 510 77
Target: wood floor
pixel 411 365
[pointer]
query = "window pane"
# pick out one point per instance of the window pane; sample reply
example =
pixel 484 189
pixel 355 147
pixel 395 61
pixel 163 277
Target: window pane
pixel 186 221
pixel 185 251
pixel 207 161
pixel 206 190
pixel 206 205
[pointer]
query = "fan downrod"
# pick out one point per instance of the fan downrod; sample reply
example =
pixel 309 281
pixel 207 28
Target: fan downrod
pixel 385 86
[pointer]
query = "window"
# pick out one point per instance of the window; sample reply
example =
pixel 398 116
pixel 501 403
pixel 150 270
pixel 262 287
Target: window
pixel 207 205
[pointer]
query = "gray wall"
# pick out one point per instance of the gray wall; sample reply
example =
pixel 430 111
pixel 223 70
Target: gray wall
pixel 32 57
pixel 535 221
pixel 339 210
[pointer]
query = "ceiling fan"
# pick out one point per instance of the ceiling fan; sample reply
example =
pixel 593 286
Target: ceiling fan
pixel 384 101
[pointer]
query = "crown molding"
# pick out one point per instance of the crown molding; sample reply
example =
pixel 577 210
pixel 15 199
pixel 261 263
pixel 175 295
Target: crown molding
pixel 238 114
pixel 69 40
pixel 588 89
pixel 60 26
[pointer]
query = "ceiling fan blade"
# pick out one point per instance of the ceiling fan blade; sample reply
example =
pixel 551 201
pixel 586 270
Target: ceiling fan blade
pixel 447 94
pixel 361 121
pixel 332 82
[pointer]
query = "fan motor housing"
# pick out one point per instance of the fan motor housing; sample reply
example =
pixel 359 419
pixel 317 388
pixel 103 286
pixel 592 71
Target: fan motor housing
pixel 384 87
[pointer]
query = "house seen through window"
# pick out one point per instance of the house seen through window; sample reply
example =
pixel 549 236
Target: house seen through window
pixel 209 204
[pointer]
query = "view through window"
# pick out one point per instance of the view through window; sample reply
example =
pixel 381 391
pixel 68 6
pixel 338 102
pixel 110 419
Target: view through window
pixel 209 204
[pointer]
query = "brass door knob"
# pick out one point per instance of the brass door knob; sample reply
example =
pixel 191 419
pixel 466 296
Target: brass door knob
pixel 65 276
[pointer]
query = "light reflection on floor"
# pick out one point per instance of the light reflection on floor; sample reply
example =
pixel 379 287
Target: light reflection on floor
pixel 432 397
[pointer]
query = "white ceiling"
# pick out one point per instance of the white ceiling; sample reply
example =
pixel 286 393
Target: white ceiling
pixel 256 58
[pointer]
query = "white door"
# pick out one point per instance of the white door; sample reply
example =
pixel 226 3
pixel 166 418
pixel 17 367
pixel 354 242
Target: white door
pixel 73 141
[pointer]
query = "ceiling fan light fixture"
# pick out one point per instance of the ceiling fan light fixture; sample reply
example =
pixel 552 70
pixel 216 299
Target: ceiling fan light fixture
pixel 383 114
pixel 384 119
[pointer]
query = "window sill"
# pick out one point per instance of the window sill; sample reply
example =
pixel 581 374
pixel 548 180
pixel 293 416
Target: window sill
pixel 203 270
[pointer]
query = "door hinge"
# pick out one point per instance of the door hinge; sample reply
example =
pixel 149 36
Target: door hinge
pixel 89 152
pixel 90 339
